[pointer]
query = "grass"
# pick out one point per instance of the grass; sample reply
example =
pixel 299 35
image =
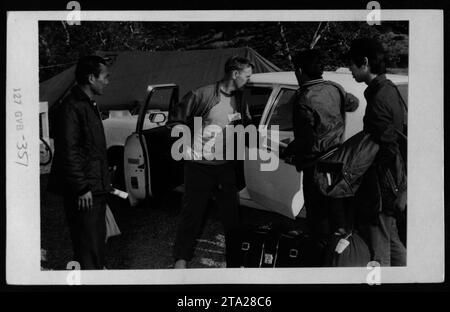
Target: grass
pixel 147 234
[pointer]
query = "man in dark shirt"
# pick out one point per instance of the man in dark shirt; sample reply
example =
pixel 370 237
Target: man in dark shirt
pixel 80 169
pixel 319 124
pixel 384 119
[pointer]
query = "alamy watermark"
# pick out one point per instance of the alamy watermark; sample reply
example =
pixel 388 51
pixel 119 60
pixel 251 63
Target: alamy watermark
pixel 74 276
pixel 374 275
pixel 374 16
pixel 74 16
pixel 216 143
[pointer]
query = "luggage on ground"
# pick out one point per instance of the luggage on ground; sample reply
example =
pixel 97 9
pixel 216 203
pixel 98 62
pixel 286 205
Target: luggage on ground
pixel 269 247
pixel 348 250
pixel 112 229
pixel 246 247
pixel 295 249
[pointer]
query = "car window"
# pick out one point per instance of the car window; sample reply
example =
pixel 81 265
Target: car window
pixel 256 98
pixel 281 114
pixel 159 102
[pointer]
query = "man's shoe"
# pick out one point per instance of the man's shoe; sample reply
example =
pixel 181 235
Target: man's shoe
pixel 180 264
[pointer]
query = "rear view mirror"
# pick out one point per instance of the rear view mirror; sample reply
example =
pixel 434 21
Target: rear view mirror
pixel 157 117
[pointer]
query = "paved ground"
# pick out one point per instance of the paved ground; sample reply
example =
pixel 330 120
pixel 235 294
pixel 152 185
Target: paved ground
pixel 148 233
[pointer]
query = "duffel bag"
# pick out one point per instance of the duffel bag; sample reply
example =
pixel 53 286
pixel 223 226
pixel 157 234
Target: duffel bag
pixel 348 250
pixel 341 173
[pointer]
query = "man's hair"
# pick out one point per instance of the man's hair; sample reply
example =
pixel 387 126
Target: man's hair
pixel 88 65
pixel 373 50
pixel 310 62
pixel 237 63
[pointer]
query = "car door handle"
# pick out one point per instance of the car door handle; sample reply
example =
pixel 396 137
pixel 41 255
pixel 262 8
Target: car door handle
pixel 269 149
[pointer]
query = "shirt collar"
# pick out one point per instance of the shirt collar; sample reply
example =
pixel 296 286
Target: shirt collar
pixel 312 82
pixel 373 85
pixel 81 95
pixel 218 91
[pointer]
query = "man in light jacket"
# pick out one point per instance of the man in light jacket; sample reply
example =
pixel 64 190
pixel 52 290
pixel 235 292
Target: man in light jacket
pixel 218 105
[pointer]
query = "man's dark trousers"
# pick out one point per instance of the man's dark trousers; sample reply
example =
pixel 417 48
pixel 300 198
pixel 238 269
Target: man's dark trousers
pixel 323 215
pixel 87 231
pixel 200 182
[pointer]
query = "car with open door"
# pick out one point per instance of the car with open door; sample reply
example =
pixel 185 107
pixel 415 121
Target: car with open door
pixel 150 169
pixel 119 123
pixel 281 190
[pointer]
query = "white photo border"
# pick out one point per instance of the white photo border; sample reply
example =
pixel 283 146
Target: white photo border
pixel 425 230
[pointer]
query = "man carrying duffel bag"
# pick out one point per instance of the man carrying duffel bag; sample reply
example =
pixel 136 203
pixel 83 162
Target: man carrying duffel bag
pixel 319 108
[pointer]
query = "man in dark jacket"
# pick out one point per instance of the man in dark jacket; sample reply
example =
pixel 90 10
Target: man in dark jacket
pixel 384 119
pixel 80 169
pixel 218 105
pixel 319 124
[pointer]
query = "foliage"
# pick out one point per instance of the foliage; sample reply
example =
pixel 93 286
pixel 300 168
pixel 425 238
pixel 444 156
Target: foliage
pixel 60 45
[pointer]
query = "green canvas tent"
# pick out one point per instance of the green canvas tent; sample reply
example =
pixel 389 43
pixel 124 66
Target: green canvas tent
pixel 131 73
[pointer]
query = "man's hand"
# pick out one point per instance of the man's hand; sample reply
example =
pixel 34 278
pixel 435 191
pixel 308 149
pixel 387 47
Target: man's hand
pixel 85 202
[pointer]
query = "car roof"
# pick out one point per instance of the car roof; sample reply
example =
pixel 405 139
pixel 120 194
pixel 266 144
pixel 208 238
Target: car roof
pixel 341 76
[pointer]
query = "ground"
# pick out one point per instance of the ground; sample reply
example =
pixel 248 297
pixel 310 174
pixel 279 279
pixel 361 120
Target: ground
pixel 147 234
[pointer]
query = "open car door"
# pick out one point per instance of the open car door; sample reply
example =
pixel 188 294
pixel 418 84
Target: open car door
pixel 279 190
pixel 147 159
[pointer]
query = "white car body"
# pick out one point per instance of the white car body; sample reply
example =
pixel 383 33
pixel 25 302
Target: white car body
pixel 121 123
pixel 268 95
pixel 281 190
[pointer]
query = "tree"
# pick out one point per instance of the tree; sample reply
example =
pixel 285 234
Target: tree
pixel 60 45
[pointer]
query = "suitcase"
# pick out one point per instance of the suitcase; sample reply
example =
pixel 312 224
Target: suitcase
pixel 269 252
pixel 247 246
pixel 295 249
pixel 269 247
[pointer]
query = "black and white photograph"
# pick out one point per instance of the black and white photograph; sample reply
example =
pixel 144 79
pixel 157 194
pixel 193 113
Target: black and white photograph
pixel 258 147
